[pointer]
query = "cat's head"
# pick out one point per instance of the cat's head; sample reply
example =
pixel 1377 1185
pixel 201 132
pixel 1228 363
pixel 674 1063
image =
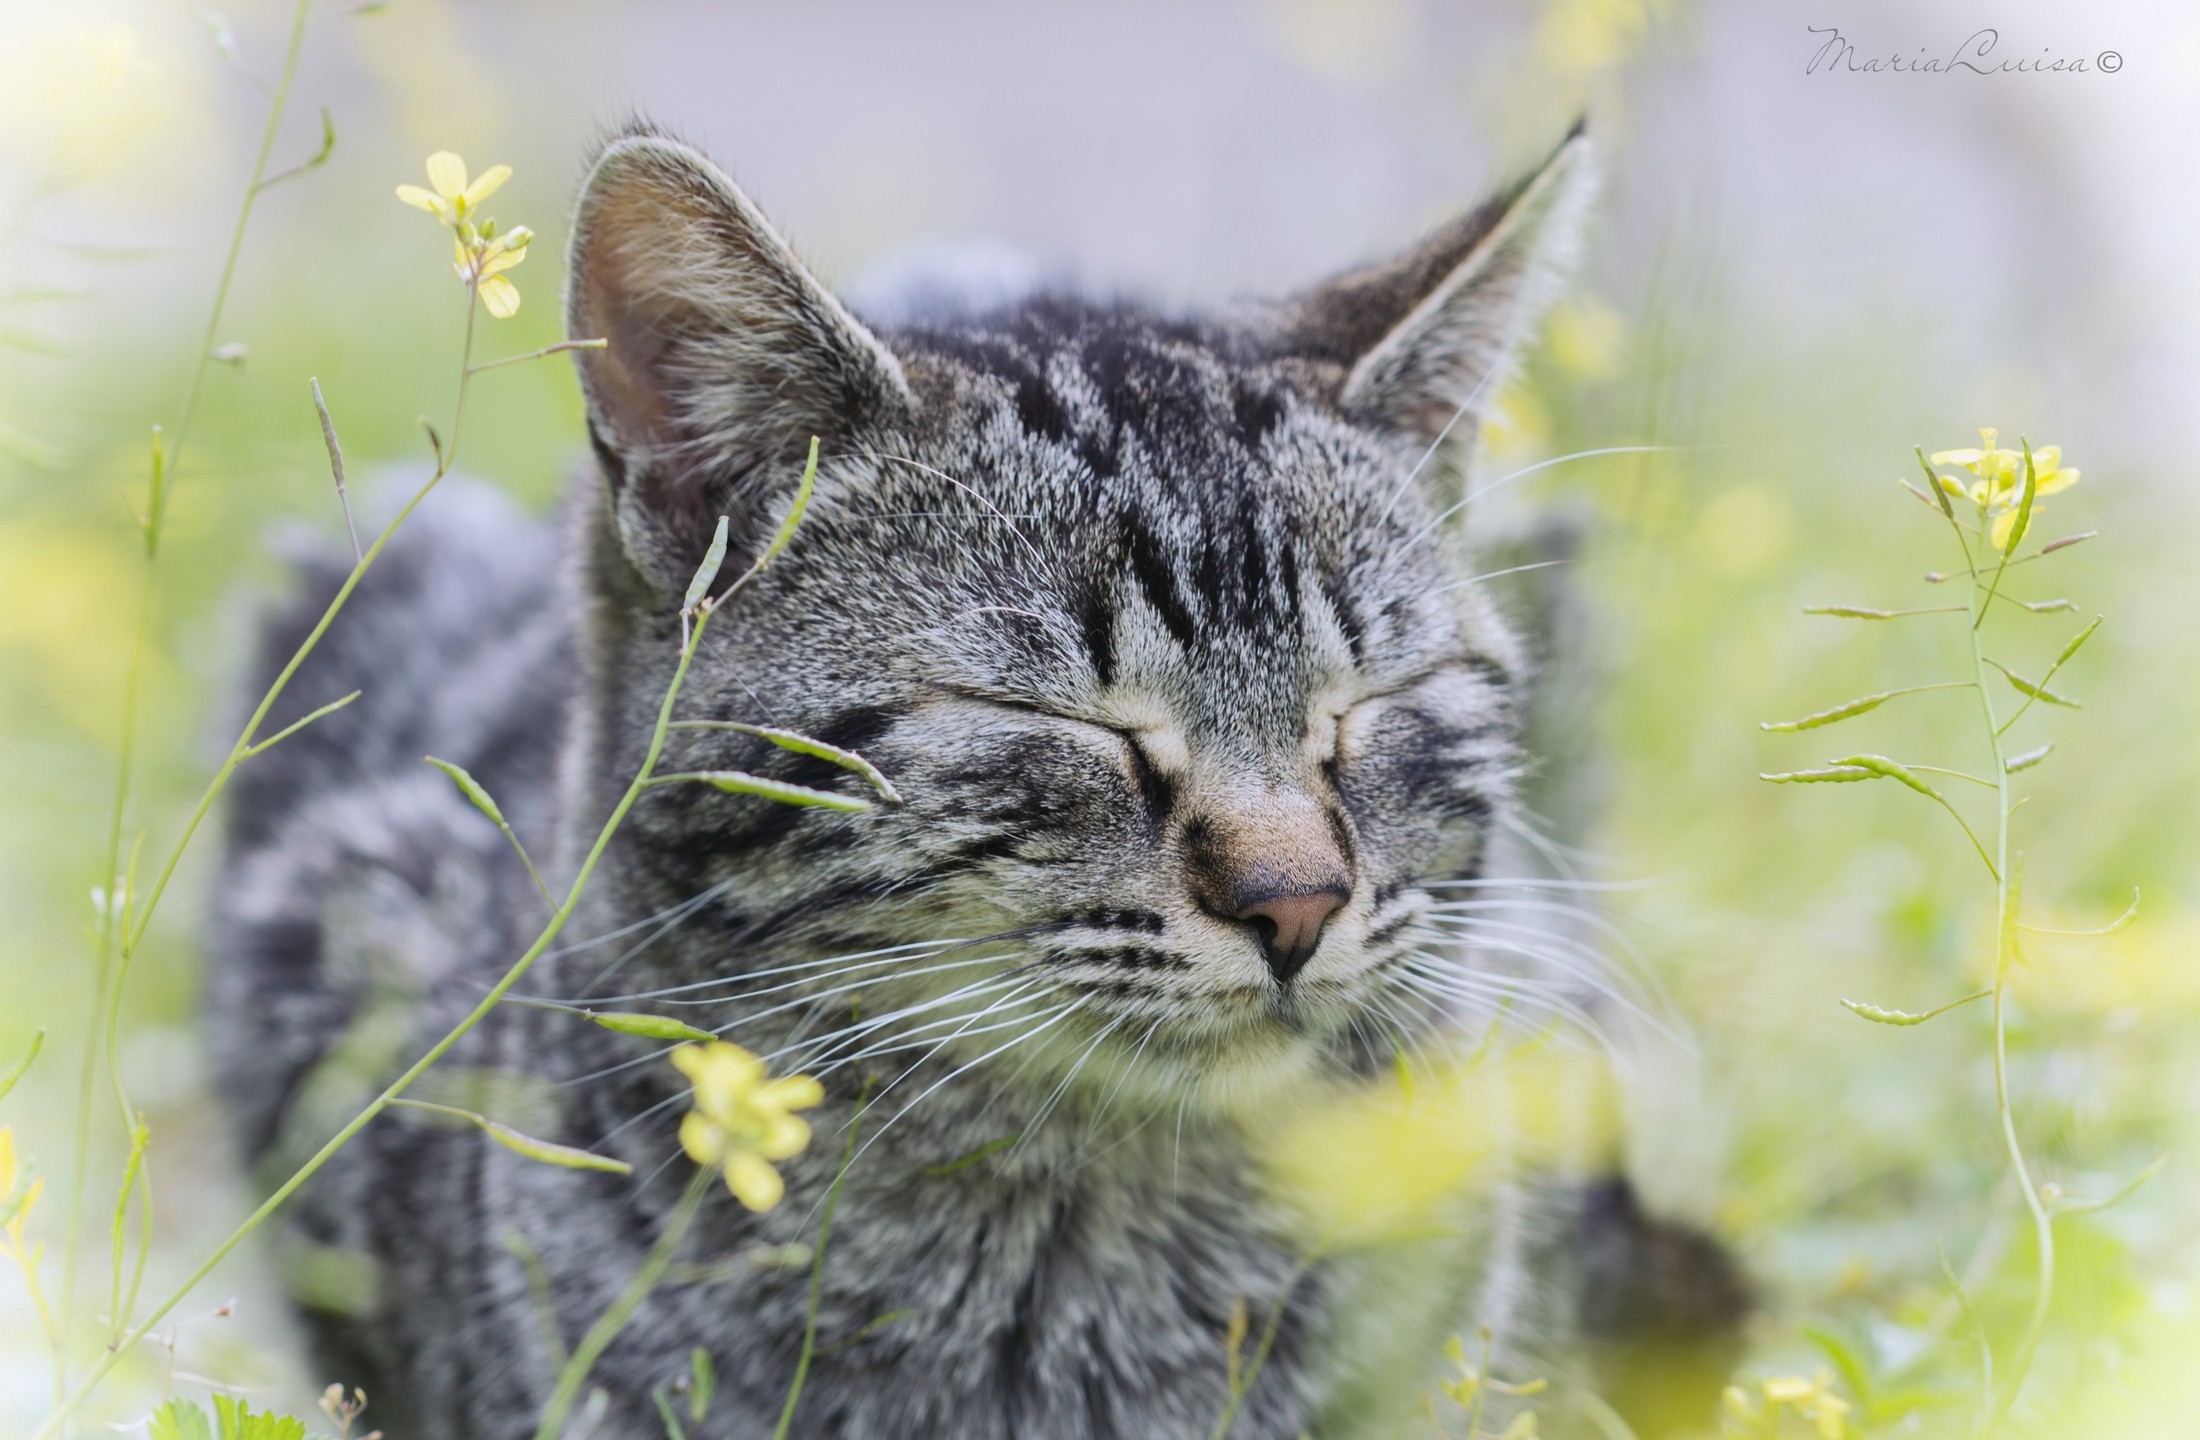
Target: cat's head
pixel 1159 625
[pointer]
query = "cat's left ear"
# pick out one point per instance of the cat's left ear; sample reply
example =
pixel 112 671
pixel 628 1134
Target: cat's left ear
pixel 1424 338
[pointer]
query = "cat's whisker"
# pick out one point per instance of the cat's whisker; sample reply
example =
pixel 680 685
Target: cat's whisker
pixel 1590 960
pixel 1500 574
pixel 575 947
pixel 677 916
pixel 1533 883
pixel 1047 1107
pixel 1481 490
pixel 1068 1009
pixel 798 1002
pixel 590 998
pixel 822 1046
pixel 1092 1125
pixel 1461 985
pixel 1630 964
pixel 1570 958
pixel 907 1041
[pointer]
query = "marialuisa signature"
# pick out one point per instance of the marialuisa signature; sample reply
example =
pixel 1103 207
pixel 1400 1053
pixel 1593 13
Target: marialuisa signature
pixel 1975 56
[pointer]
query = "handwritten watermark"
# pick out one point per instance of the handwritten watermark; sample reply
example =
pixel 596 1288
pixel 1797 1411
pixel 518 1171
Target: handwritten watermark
pixel 1837 54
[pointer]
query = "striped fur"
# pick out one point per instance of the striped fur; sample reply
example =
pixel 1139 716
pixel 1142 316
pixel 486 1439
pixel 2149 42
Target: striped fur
pixel 1133 608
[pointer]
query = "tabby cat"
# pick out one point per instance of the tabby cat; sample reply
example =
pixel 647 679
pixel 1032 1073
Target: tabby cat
pixel 1163 629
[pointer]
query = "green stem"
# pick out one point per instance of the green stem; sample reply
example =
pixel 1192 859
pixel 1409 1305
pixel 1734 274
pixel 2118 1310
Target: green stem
pixel 817 1270
pixel 1267 1343
pixel 574 1373
pixel 2005 927
pixel 104 974
pixel 277 104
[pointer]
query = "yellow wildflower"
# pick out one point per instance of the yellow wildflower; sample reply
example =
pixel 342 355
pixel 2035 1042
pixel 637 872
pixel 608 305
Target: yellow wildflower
pixel 741 1121
pixel 1998 490
pixel 1812 1400
pixel 453 199
pixel 481 255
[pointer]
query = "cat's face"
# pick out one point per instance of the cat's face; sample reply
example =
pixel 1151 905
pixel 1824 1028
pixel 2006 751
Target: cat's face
pixel 1155 625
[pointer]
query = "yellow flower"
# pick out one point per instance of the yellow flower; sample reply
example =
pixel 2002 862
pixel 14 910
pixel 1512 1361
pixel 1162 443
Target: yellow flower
pixel 16 1207
pixel 1998 491
pixel 483 265
pixel 453 200
pixel 481 254
pixel 741 1121
pixel 1811 1400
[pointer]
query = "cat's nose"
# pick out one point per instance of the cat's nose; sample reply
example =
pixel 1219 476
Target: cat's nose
pixel 1290 924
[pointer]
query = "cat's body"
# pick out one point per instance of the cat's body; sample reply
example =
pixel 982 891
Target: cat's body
pixel 1152 624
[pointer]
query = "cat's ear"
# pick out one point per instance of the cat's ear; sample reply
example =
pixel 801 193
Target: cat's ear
pixel 723 354
pixel 1425 337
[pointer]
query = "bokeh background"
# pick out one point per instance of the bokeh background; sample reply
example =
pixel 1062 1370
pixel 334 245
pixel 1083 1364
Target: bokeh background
pixel 1798 275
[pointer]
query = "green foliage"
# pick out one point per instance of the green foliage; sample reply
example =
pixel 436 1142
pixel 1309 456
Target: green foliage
pixel 232 1420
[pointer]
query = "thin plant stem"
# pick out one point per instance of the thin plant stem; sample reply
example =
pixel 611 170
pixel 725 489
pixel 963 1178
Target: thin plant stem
pixel 2005 929
pixel 561 346
pixel 574 1373
pixel 458 1032
pixel 104 968
pixel 817 1270
pixel 1268 1333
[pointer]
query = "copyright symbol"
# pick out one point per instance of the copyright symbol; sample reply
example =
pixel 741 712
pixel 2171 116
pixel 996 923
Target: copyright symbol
pixel 2109 61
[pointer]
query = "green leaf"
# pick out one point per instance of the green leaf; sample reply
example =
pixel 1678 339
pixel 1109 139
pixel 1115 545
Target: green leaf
pixel 740 782
pixel 238 1422
pixel 702 1383
pixel 179 1420
pixel 651 1027
pixel 706 574
pixel 1879 1015
pixel 472 789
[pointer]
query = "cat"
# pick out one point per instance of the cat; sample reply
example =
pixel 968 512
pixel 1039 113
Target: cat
pixel 1161 629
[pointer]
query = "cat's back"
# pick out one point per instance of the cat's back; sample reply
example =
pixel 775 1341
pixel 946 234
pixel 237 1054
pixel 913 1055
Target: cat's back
pixel 355 872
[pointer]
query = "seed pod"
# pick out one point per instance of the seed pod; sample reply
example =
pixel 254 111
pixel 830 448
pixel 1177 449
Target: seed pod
pixel 649 1027
pixel 1893 770
pixel 1836 775
pixel 472 790
pixel 564 1156
pixel 740 782
pixel 2036 692
pixel 707 572
pixel 2028 759
pixel 1861 705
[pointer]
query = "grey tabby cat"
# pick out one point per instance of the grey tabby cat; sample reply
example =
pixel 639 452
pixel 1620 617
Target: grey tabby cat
pixel 1152 622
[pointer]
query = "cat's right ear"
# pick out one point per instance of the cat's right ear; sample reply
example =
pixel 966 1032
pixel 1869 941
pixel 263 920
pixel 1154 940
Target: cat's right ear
pixel 723 355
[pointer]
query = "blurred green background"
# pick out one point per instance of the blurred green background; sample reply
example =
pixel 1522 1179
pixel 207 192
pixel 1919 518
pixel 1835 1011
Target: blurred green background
pixel 1799 274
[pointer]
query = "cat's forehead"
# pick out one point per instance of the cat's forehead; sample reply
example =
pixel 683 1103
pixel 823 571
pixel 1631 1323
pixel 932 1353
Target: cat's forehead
pixel 1174 516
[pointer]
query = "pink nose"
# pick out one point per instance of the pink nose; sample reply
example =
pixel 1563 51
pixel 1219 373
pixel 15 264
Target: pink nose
pixel 1290 926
